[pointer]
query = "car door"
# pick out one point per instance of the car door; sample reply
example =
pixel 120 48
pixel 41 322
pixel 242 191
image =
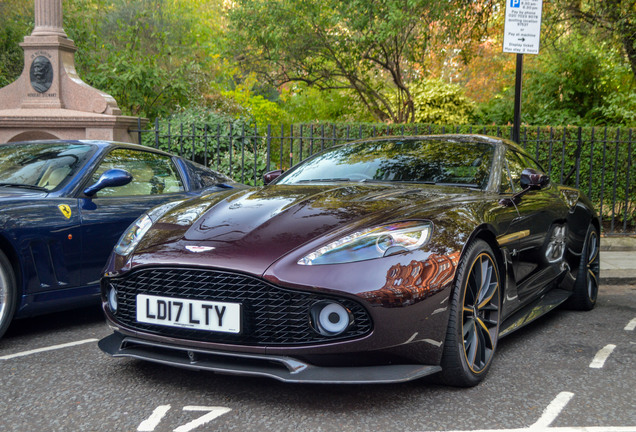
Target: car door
pixel 41 222
pixel 540 238
pixel 106 215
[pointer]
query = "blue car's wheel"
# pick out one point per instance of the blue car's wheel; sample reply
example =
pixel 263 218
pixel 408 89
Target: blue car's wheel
pixel 473 327
pixel 7 293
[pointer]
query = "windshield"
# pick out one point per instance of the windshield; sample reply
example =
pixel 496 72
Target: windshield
pixel 43 166
pixel 435 161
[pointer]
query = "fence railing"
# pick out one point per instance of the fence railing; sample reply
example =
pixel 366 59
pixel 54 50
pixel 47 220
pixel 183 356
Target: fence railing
pixel 596 160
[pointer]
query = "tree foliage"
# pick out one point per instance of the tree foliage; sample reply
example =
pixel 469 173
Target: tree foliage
pixel 578 81
pixel 152 56
pixel 371 49
pixel 16 21
pixel 285 61
pixel 615 18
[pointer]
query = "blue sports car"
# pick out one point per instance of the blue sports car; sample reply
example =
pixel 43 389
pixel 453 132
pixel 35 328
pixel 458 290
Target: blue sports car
pixel 64 205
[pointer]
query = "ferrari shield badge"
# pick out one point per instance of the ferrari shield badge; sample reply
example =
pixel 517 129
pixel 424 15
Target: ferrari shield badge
pixel 66 210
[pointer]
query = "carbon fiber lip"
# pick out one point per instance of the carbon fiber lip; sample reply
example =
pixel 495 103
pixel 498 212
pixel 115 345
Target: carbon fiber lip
pixel 281 368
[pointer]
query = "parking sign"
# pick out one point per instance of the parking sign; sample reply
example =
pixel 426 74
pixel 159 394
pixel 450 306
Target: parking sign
pixel 522 28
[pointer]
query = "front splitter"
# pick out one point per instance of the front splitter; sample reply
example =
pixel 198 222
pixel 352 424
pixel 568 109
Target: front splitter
pixel 282 368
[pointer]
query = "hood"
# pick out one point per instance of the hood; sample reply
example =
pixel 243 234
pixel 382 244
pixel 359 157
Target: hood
pixel 13 193
pixel 248 230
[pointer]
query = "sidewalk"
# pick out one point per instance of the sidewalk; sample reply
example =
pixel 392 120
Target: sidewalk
pixel 618 260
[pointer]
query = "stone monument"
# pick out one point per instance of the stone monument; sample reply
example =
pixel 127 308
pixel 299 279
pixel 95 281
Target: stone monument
pixel 49 100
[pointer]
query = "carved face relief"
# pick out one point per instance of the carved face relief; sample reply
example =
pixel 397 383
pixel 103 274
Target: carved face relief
pixel 41 74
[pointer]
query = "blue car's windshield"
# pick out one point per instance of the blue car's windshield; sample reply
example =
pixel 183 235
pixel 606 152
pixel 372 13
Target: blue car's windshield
pixel 41 165
pixel 400 160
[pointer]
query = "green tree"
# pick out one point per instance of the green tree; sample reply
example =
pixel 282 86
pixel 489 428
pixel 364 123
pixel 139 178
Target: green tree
pixel 152 56
pixel 616 18
pixel 372 49
pixel 578 80
pixel 16 21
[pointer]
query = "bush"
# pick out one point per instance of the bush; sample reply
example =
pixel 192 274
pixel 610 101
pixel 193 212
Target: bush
pixel 228 145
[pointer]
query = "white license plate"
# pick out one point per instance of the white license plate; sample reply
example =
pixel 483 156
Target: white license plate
pixel 192 314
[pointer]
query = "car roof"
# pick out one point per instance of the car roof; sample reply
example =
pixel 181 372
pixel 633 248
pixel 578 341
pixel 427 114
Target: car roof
pixel 468 138
pixel 102 144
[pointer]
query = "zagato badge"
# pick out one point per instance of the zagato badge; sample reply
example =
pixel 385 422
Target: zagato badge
pixel 66 210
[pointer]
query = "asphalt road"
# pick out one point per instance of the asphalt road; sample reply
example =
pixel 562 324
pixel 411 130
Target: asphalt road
pixel 566 372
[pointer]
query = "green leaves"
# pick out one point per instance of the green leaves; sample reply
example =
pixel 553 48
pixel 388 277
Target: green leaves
pixel 370 49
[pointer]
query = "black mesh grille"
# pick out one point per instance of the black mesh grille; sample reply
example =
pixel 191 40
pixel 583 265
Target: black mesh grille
pixel 271 315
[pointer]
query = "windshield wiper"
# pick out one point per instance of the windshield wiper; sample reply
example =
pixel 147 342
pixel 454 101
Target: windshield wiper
pixel 464 185
pixel 324 180
pixel 25 186
pixel 428 182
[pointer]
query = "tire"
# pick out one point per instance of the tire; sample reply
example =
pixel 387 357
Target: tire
pixel 587 278
pixel 8 293
pixel 473 326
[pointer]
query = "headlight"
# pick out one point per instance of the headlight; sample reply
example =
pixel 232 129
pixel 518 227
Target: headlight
pixel 372 243
pixel 133 235
pixel 111 297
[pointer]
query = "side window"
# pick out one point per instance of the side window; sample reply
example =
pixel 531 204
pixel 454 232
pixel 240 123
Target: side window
pixel 203 177
pixel 506 179
pixel 152 173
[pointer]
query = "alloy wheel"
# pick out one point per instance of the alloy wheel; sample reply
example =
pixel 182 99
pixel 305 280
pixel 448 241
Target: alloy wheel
pixel 480 316
pixel 593 265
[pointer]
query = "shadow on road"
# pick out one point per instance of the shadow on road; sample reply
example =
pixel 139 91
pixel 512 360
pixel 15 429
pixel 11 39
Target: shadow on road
pixel 48 323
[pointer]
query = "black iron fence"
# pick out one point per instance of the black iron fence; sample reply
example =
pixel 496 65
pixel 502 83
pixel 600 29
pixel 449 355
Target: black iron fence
pixel 596 160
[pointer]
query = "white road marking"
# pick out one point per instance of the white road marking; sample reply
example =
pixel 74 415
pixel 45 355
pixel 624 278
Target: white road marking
pixel 561 429
pixel 631 325
pixel 151 422
pixel 550 414
pixel 553 410
pixel 213 412
pixel 601 356
pixel 50 348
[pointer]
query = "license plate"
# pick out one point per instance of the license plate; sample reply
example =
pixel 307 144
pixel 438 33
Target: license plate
pixel 192 314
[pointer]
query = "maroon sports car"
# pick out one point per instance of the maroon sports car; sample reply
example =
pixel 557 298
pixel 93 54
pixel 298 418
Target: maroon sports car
pixel 382 260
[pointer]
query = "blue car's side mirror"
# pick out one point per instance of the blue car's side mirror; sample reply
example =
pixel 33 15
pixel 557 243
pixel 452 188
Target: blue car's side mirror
pixel 111 178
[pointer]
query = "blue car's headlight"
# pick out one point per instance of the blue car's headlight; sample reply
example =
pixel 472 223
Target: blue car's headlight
pixel 133 235
pixel 372 243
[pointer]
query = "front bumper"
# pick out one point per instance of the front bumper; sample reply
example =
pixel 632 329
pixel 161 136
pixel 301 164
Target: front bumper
pixel 282 368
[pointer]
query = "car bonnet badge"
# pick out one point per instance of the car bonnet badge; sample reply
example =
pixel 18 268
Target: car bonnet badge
pixel 198 249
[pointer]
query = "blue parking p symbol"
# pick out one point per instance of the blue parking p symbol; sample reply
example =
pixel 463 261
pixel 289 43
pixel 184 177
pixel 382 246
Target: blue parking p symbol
pixel 515 3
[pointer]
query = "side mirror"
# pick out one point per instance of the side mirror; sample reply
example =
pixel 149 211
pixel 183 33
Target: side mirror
pixel 272 175
pixel 531 179
pixel 534 179
pixel 111 178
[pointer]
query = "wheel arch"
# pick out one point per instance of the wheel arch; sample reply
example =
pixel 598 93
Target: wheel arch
pixel 7 248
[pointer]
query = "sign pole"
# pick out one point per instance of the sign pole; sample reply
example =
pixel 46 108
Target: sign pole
pixel 522 32
pixel 517 110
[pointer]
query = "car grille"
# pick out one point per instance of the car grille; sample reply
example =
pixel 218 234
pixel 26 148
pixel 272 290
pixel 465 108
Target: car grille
pixel 271 315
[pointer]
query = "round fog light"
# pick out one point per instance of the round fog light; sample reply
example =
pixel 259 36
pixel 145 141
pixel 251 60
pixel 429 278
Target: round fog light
pixel 330 318
pixel 112 298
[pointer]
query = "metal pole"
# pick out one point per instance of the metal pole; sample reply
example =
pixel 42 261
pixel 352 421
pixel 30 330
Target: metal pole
pixel 517 114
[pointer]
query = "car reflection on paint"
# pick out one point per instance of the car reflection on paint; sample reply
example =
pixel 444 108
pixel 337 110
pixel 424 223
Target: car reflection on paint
pixel 64 205
pixel 382 260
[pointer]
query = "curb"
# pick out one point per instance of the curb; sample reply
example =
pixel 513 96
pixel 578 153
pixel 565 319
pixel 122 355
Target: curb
pixel 617 280
pixel 618 244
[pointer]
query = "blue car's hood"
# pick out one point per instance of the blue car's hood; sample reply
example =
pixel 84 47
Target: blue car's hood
pixel 12 193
